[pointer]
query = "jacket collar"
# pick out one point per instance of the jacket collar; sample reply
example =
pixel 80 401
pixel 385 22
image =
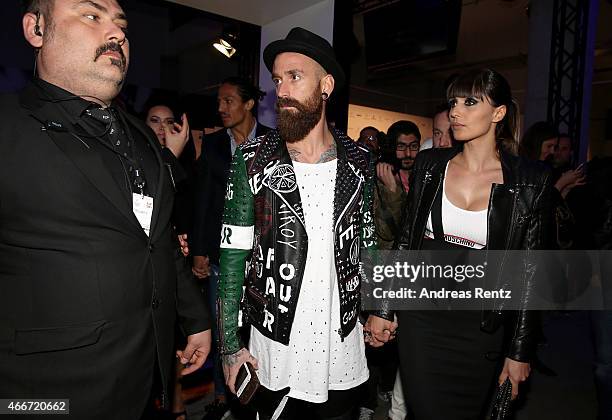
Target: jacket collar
pixel 273 147
pixel 351 169
pixel 78 151
pixel 501 194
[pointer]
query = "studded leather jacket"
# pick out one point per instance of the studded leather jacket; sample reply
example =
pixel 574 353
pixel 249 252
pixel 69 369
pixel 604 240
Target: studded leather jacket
pixel 520 217
pixel 263 223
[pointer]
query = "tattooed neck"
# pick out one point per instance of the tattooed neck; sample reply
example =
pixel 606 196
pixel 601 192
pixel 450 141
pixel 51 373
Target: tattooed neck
pixel 328 155
pixel 295 155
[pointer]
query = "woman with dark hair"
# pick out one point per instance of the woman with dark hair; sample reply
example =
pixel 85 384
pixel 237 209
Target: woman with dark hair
pixel 175 137
pixel 539 141
pixel 160 118
pixel 476 195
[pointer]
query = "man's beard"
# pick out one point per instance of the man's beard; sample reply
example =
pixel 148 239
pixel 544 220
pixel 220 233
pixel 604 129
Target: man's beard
pixel 294 126
pixel 406 164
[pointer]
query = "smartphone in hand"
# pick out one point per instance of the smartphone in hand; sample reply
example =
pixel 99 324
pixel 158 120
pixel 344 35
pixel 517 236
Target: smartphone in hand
pixel 247 383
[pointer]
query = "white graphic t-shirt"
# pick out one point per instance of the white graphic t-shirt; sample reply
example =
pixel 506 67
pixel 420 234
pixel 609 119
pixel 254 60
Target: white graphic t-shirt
pixel 316 359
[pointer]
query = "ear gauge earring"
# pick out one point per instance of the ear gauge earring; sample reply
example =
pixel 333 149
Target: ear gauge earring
pixel 325 96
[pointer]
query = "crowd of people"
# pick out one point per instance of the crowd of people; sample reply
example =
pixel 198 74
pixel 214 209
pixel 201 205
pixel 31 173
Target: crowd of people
pixel 130 254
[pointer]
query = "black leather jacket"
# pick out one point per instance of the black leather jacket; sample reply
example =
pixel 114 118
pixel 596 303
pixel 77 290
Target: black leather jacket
pixel 263 215
pixel 520 217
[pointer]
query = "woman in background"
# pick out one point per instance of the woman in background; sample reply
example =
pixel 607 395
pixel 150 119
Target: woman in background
pixel 174 136
pixel 540 142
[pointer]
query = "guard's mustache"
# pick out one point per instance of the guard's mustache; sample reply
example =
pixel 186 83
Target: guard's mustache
pixel 111 46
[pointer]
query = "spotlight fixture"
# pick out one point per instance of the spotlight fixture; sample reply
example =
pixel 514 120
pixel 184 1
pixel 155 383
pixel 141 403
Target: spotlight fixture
pixel 226 44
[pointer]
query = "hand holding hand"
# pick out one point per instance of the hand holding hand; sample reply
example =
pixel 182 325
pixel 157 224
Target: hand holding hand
pixel 377 331
pixel 201 266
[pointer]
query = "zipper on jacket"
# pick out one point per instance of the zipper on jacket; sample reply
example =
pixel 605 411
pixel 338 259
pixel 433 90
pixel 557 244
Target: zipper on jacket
pixel 258 297
pixel 428 177
pixel 513 190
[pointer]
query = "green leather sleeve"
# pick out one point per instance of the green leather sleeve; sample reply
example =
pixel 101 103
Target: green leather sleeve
pixel 236 245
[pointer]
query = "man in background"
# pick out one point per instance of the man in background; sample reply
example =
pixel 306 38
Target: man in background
pixel 236 99
pixel 442 136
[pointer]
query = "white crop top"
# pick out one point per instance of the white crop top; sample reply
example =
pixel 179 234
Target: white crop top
pixel 461 227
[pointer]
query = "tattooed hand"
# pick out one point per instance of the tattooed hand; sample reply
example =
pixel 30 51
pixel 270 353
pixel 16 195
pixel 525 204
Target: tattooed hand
pixel 232 363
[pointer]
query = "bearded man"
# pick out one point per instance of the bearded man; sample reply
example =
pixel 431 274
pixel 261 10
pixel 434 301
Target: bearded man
pixel 299 202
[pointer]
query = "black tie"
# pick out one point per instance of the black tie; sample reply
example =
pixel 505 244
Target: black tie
pixel 116 134
pixel 119 141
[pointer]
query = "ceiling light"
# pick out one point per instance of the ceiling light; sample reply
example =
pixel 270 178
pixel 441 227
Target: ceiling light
pixel 226 45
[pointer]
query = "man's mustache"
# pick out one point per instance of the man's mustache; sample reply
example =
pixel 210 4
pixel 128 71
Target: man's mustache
pixel 287 102
pixel 111 46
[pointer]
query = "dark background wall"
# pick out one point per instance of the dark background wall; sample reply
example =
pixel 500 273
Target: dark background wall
pixel 172 57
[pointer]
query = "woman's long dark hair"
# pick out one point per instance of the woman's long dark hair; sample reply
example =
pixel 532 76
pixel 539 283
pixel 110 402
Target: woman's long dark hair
pixel 531 144
pixel 489 84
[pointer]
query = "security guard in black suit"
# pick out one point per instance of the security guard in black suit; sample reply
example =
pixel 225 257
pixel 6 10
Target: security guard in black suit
pixel 91 277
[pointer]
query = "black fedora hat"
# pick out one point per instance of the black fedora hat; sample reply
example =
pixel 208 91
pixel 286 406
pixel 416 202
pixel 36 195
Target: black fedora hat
pixel 299 40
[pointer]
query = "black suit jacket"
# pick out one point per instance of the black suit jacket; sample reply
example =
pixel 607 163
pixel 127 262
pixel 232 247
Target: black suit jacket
pixel 88 301
pixel 212 174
